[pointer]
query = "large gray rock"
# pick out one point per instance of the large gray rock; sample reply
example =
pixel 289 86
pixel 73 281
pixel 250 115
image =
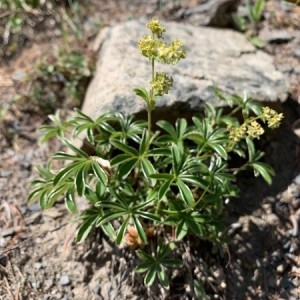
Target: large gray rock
pixel 215 57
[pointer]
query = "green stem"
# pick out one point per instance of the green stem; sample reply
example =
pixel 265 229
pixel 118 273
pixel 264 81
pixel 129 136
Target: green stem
pixel 149 106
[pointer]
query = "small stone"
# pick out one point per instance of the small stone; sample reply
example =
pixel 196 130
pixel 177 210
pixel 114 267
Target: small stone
pixel 18 76
pixel 281 268
pixel 64 279
pixel 223 285
pixel 37 265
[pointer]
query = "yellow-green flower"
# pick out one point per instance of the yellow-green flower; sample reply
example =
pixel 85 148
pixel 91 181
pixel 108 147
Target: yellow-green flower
pixel 156 27
pixel 149 46
pixel 171 54
pixel 162 83
pixel 254 130
pixel 272 117
pixel 237 133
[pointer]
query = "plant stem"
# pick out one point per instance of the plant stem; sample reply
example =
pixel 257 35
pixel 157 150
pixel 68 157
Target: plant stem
pixel 149 105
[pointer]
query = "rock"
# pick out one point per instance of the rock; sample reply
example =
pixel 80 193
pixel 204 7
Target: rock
pixel 64 279
pixel 215 57
pixel 276 36
pixel 216 13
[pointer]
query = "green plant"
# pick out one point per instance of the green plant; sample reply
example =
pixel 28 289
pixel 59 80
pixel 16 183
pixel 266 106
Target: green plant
pixel 62 76
pixel 150 189
pixel 250 25
pixel 15 10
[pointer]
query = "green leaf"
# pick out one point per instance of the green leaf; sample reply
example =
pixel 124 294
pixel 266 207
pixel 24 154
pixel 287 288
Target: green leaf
pixel 99 172
pixel 65 156
pixel 168 127
pixel 120 159
pixel 164 188
pixel 122 230
pixel 185 192
pixel 79 152
pixel 127 167
pixel 140 229
pixel 162 176
pixel 148 169
pixel 176 158
pixel 181 230
pixel 143 93
pixel 150 216
pixel 219 149
pixel 264 170
pixel 256 41
pixel 239 22
pixel 144 256
pixel 150 276
pixel 251 149
pixel 70 202
pixel 85 228
pixel 125 148
pixel 80 180
pixel 259 7
pixel 109 230
pixel 163 278
pixel 144 144
pixel 143 267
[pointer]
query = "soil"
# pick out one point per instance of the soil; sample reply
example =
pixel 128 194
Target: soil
pixel 38 256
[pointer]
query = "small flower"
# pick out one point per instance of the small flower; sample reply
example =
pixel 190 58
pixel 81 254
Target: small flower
pixel 237 133
pixel 254 130
pixel 272 117
pixel 171 54
pixel 148 46
pixel 162 83
pixel 132 238
pixel 156 27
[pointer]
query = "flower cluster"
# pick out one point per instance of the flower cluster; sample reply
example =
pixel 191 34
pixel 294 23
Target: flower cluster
pixel 253 129
pixel 272 117
pixel 154 48
pixel 149 46
pixel 162 83
pixel 237 133
pixel 156 27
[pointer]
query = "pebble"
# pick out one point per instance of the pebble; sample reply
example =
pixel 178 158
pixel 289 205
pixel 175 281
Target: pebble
pixel 64 279
pixel 281 268
pixel 38 265
pixel 234 227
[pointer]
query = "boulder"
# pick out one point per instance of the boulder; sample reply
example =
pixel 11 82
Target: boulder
pixel 215 57
pixel 217 13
